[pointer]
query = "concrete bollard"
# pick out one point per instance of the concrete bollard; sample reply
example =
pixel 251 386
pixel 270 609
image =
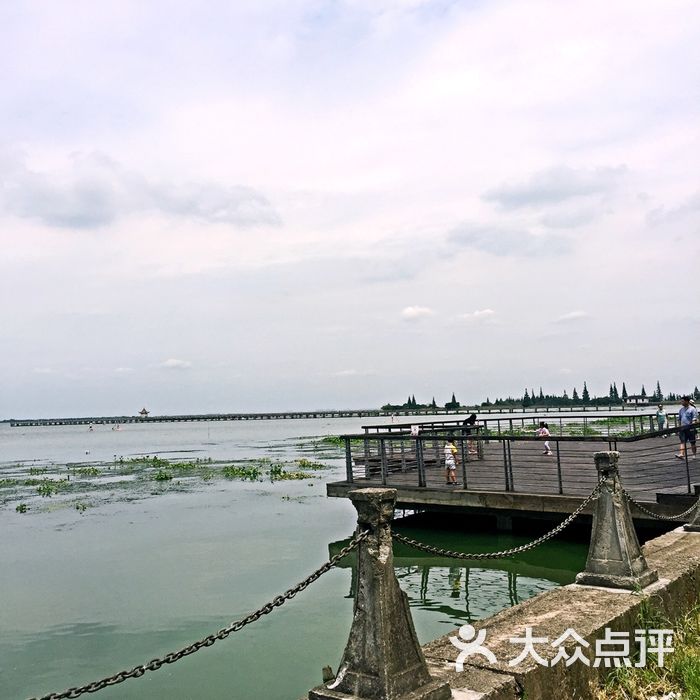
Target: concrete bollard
pixel 615 558
pixel 694 524
pixel 383 659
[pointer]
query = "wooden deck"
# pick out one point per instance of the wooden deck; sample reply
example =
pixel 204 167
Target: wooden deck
pixel 515 475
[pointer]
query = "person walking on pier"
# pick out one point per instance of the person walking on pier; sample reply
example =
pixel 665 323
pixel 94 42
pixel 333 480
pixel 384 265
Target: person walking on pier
pixel 688 420
pixel 544 434
pixel 661 417
pixel 450 462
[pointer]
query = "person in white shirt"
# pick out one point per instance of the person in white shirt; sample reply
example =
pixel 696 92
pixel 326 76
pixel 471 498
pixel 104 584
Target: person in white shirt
pixel 450 462
pixel 543 433
pixel 688 420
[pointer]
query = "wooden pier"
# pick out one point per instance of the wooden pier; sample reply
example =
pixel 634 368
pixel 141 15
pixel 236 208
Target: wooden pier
pixel 510 474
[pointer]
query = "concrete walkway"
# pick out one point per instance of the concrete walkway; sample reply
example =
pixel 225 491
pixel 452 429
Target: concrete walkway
pixel 585 609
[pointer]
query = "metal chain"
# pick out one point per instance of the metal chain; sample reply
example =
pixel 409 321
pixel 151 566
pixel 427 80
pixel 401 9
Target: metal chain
pixel 680 516
pixel 508 552
pixel 170 658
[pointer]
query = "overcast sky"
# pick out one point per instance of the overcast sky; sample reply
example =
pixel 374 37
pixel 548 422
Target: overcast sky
pixel 269 204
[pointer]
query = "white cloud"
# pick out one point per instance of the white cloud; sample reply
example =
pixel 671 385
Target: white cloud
pixel 572 316
pixel 95 190
pixel 556 185
pixel 174 363
pixel 414 313
pixel 353 373
pixel 479 315
pixel 507 241
pixel 123 370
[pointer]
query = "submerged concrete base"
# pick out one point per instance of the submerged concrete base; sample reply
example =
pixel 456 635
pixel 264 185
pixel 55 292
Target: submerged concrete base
pixel 588 611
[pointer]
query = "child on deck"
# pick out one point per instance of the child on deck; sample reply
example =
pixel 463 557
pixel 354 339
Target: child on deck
pixel 450 462
pixel 543 433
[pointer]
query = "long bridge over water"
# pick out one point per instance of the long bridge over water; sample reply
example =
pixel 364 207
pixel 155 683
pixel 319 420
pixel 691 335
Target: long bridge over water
pixel 290 415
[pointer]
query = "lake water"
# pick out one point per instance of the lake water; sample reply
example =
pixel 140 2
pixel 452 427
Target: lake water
pixel 122 568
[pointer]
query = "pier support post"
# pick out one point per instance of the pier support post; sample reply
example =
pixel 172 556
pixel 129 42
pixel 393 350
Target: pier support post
pixel 383 659
pixel 615 558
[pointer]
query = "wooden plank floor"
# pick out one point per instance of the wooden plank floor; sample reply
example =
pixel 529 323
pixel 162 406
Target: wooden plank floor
pixel 647 467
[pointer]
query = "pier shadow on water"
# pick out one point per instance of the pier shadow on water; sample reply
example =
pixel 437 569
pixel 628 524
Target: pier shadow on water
pixel 444 592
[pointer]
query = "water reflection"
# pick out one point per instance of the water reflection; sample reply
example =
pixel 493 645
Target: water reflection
pixel 452 592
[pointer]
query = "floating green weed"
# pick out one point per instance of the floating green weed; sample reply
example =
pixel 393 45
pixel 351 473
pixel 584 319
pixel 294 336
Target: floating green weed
pixel 162 475
pixel 22 508
pixel 278 473
pixel 245 473
pixel 86 471
pixel 47 487
pixel 308 464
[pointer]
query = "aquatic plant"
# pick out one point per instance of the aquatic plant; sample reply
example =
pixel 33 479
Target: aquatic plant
pixel 37 470
pixel 335 440
pixel 162 475
pixel 47 488
pixel 82 507
pixel 308 464
pixel 278 473
pixel 245 473
pixel 338 441
pixel 184 466
pixel 22 508
pixel 87 471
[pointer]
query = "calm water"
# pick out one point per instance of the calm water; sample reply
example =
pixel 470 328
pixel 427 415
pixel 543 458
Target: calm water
pixel 86 594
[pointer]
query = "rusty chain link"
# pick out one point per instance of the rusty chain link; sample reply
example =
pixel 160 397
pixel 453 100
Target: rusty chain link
pixel 658 516
pixel 507 552
pixel 173 656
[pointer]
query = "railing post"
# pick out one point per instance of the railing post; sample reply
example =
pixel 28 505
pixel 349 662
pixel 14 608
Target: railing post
pixel 505 465
pixel 615 559
pixel 348 461
pixel 421 463
pixel 382 460
pixel 383 659
pixel 368 472
pixel 561 485
pixel 465 459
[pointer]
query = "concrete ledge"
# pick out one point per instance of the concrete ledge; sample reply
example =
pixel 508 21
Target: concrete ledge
pixel 588 610
pixel 514 502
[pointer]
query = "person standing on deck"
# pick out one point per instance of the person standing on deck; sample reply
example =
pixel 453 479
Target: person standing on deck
pixel 544 434
pixel 661 417
pixel 450 462
pixel 468 429
pixel 688 419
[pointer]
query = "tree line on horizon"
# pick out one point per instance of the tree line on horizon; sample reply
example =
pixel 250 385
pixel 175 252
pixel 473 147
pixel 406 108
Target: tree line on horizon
pixel 531 399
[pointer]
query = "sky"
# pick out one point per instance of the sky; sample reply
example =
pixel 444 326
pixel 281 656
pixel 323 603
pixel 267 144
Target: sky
pixel 260 205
